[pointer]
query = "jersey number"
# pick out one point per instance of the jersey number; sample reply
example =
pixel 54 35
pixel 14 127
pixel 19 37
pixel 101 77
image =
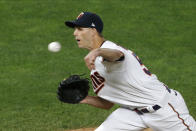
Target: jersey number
pixel 98 81
pixel 144 68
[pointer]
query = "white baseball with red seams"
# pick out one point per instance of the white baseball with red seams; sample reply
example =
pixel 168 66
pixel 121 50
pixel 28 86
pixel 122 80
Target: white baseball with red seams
pixel 129 84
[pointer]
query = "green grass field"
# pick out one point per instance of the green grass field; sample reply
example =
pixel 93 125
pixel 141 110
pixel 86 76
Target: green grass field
pixel 162 33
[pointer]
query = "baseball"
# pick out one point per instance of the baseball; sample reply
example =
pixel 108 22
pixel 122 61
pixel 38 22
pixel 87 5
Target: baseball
pixel 54 46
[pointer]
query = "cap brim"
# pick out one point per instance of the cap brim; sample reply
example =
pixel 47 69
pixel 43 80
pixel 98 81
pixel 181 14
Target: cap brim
pixel 74 24
pixel 71 24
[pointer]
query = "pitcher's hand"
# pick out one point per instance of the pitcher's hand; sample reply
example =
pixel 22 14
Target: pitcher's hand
pixel 90 59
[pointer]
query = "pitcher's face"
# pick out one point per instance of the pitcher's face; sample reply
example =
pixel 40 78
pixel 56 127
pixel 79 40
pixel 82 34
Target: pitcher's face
pixel 84 37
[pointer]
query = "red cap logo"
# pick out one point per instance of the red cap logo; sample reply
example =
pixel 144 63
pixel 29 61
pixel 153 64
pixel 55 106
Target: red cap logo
pixel 80 15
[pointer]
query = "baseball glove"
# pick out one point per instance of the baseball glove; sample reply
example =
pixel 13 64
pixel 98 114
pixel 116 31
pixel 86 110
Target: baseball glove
pixel 73 89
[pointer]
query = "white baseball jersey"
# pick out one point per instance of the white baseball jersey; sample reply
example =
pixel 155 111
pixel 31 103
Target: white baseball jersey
pixel 127 82
pixel 130 84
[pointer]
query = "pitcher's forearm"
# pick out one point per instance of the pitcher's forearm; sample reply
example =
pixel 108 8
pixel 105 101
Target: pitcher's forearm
pixel 110 54
pixel 97 102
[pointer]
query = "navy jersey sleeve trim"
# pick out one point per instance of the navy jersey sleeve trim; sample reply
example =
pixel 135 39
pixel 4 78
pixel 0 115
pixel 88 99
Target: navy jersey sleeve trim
pixel 121 58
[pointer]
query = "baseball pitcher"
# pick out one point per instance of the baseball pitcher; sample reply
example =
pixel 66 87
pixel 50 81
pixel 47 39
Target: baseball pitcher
pixel 119 77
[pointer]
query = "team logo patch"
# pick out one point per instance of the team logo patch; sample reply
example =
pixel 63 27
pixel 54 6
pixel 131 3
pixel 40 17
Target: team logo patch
pixel 80 15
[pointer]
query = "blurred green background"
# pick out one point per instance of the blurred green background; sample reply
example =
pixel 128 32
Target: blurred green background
pixel 162 33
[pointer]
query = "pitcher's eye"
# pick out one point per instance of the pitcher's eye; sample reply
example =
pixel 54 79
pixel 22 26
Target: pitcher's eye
pixel 79 28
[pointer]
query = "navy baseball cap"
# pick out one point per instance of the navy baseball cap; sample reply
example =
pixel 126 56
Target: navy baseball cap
pixel 88 20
